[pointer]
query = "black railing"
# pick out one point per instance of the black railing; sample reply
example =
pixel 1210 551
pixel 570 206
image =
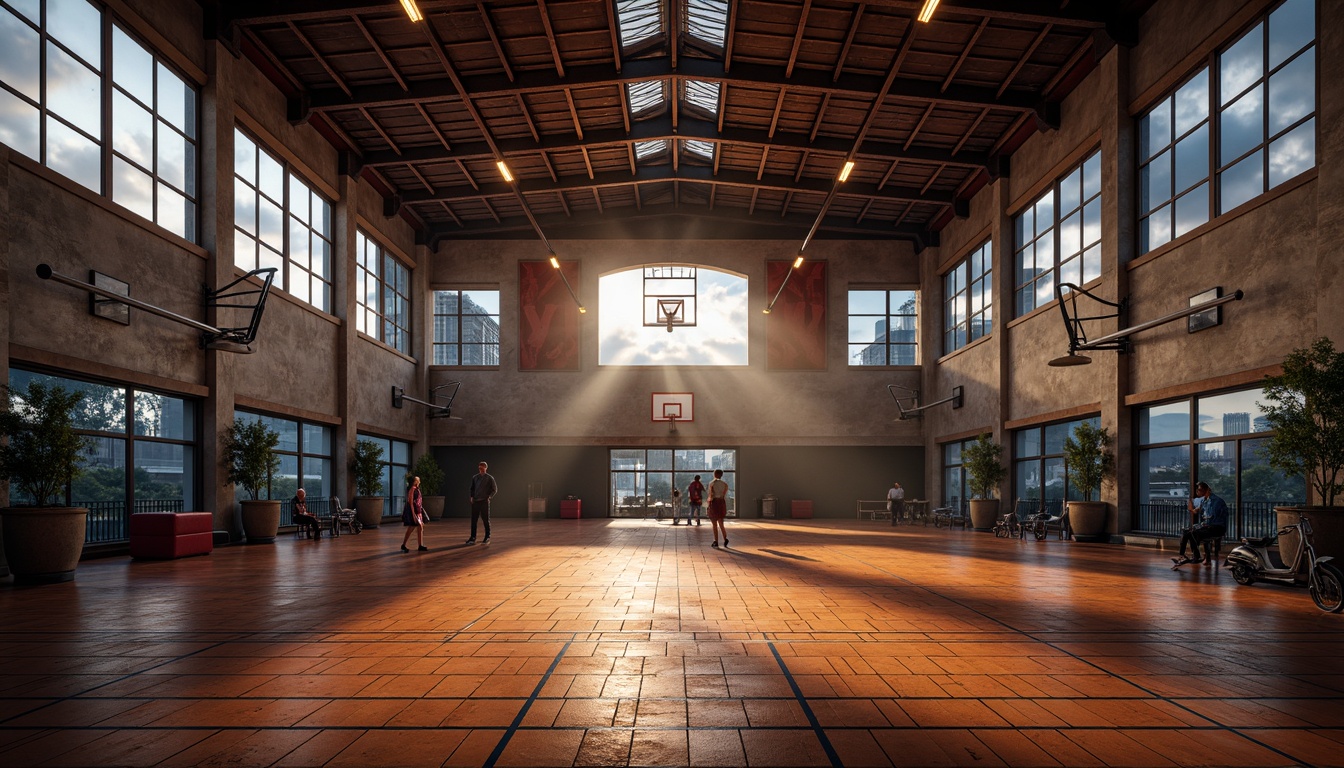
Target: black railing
pixel 1252 518
pixel 318 507
pixel 108 522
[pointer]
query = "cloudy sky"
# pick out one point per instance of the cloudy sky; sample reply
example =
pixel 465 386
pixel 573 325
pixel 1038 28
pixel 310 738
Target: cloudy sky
pixel 719 338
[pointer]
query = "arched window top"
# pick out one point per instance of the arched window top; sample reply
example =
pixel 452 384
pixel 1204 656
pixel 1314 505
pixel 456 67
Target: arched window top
pixel 715 309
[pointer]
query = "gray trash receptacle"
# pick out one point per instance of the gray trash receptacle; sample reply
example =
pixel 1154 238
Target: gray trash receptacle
pixel 767 505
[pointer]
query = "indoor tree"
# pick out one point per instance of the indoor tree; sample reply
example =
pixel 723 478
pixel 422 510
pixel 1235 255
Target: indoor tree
pixel 1304 406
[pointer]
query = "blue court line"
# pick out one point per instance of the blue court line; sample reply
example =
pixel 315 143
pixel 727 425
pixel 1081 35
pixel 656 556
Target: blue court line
pixel 807 710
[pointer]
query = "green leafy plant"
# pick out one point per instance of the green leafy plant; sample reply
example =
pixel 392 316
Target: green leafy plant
pixel 1305 407
pixel 983 462
pixel 249 453
pixel 367 467
pixel 431 477
pixel 1087 452
pixel 41 456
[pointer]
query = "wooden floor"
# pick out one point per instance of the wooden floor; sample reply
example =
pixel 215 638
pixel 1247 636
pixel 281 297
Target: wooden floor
pixel 597 642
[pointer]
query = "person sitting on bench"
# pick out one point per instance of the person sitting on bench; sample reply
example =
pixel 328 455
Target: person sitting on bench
pixel 1212 525
pixel 299 511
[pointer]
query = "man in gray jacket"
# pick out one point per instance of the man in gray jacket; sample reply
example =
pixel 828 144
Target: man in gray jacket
pixel 483 489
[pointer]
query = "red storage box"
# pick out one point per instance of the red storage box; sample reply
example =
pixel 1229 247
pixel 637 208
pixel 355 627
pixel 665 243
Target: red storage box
pixel 168 535
pixel 571 508
pixel 801 508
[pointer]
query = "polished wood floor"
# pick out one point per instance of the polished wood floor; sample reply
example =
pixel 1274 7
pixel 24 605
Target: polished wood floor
pixel 603 643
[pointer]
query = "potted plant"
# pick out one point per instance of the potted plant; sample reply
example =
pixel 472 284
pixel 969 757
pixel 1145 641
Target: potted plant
pixel 249 453
pixel 431 482
pixel 44 540
pixel 1088 455
pixel 367 467
pixel 983 462
pixel 1304 406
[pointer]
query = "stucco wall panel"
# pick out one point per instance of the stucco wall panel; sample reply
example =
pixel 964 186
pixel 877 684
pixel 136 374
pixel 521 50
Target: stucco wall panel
pixel 373 370
pixel 1038 388
pixel 294 362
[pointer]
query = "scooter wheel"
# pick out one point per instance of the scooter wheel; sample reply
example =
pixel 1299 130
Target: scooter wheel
pixel 1327 588
pixel 1243 573
pixel 1039 532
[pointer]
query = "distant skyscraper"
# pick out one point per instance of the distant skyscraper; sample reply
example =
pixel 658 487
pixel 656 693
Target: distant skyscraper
pixel 1236 423
pixel 1260 424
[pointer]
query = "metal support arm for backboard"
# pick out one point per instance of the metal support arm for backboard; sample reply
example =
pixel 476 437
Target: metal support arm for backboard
pixel 437 410
pixel 1118 341
pixel 226 339
pixel 916 409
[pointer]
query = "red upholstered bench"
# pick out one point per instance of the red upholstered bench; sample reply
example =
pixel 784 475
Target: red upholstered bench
pixel 168 535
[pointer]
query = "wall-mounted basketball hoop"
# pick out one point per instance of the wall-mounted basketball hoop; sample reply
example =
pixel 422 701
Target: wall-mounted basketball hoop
pixel 913 408
pixel 1075 324
pixel 674 407
pixel 230 339
pixel 670 297
pixel 438 408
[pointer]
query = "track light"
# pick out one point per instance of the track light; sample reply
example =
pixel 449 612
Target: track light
pixel 504 171
pixel 798 262
pixel 926 12
pixel 412 10
pixel 844 172
pixel 555 262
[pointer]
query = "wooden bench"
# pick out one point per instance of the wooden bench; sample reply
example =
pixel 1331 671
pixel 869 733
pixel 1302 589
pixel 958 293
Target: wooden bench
pixel 874 510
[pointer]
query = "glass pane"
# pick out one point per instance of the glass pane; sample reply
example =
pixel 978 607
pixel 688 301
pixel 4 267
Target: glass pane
pixel 1164 423
pixel 316 439
pixel 244 207
pixel 1292 92
pixel 1155 183
pixel 1027 442
pixel 1241 182
pixel 78 26
pixel 164 416
pixel 401 452
pixel 445 354
pixel 1293 153
pixel 317 477
pixel 162 472
pixel 1045 212
pixel 1291 26
pixel 446 302
pixel 102 485
pixel 1055 482
pixel 298 244
pixel 1092 222
pixel 1192 210
pixel 73 156
pixel 866 328
pixel 270 224
pixel 1218 468
pixel 1231 414
pixel 270 177
pixel 1164 476
pixel 19 61
pixel 1092 176
pixel 1192 159
pixel 1241 126
pixel 1027 479
pixel 132 67
pixel 177 101
pixel 1192 103
pixel 1154 130
pixel 299 200
pixel 660 459
pixel 176 156
pixel 132 188
pixel 244 157
pixel 1262 484
pixel 74 91
pixel 132 130
pixel 867 302
pixel 19 125
pixel 1242 64
pixel 1155 231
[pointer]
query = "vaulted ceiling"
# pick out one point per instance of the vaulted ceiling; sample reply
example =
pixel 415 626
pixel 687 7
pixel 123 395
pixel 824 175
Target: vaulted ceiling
pixel 658 118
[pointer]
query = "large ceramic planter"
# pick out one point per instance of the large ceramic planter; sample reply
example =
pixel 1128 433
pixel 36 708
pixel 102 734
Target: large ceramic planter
pixel 43 544
pixel 1327 527
pixel 983 513
pixel 1088 520
pixel 261 520
pixel 369 510
pixel 434 507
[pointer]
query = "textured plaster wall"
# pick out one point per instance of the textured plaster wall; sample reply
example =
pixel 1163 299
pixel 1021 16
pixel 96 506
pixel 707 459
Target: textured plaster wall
pixel 733 405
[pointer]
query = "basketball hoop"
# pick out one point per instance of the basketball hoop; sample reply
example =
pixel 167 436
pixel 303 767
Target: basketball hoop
pixel 671 312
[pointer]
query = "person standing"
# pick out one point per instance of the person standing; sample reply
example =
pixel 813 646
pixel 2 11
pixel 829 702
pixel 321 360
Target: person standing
pixel 483 489
pixel 718 507
pixel 696 492
pixel 413 516
pixel 896 502
pixel 1213 510
pixel 676 506
pixel 298 508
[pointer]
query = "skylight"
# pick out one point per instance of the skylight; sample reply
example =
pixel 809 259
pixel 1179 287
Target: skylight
pixel 645 149
pixel 639 20
pixel 703 94
pixel 707 20
pixel 644 95
pixel 704 149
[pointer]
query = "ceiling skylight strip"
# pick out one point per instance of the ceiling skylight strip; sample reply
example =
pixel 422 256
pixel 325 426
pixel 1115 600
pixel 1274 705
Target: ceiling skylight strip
pixel 703 94
pixel 704 149
pixel 707 20
pixel 639 20
pixel 644 95
pixel 644 149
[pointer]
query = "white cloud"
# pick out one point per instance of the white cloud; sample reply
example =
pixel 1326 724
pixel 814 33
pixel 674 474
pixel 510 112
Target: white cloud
pixel 718 338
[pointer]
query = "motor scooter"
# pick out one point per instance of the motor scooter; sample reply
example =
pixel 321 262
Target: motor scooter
pixel 1254 561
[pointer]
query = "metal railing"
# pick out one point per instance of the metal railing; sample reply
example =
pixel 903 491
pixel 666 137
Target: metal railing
pixel 108 522
pixel 1251 518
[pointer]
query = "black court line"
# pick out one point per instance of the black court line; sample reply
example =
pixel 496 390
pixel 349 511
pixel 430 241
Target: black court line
pixel 522 713
pixel 831 754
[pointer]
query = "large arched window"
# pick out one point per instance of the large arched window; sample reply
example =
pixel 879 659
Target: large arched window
pixel 712 314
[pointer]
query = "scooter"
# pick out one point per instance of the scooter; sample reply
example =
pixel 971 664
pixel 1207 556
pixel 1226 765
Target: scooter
pixel 1254 561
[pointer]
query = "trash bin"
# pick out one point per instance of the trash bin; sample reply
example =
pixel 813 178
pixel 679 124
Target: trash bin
pixel 767 505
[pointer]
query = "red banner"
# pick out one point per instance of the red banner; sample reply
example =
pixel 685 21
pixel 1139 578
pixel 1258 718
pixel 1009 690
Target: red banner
pixel 796 326
pixel 548 338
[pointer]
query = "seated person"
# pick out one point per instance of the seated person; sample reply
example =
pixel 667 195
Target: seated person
pixel 299 509
pixel 1212 524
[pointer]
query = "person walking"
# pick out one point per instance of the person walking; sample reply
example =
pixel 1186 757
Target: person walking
pixel 413 516
pixel 896 502
pixel 676 506
pixel 483 489
pixel 718 507
pixel 696 492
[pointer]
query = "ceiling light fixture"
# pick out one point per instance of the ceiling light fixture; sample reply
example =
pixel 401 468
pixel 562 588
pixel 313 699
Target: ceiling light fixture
pixel 555 263
pixel 844 172
pixel 504 171
pixel 798 262
pixel 926 12
pixel 412 10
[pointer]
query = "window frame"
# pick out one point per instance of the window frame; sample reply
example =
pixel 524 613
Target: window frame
pixel 884 343
pixel 1089 250
pixel 439 318
pixel 386 319
pixel 959 286
pixel 284 259
pixel 1041 459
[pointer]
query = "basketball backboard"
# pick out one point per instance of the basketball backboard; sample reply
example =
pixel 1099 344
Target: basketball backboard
pixel 673 406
